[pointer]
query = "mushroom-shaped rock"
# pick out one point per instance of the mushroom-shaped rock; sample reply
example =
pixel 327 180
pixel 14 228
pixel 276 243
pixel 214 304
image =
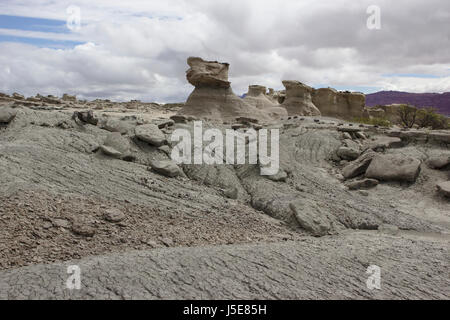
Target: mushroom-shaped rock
pixel 298 99
pixel 207 73
pixel 213 97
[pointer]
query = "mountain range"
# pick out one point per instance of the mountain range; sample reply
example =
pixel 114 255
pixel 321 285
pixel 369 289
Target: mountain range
pixel 440 101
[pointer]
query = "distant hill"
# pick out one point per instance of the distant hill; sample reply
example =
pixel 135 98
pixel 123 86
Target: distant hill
pixel 440 101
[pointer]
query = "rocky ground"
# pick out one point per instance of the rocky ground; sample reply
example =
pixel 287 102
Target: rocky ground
pixel 92 183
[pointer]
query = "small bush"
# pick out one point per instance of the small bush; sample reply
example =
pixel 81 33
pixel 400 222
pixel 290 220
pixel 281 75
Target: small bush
pixel 429 118
pixel 407 115
pixel 381 122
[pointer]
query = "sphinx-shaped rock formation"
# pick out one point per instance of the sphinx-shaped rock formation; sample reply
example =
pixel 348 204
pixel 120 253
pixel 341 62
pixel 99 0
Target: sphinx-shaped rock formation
pixel 256 96
pixel 298 99
pixel 213 97
pixel 345 105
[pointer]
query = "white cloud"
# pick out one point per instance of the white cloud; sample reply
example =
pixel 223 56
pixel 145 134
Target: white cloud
pixel 138 49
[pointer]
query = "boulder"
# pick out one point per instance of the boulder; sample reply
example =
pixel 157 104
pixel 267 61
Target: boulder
pixel 86 117
pixel 114 125
pixel 114 215
pixel 359 166
pixel 118 142
pixel 151 134
pixel 346 153
pixel 110 151
pixel 310 217
pixel 390 167
pixel 167 168
pixel 444 188
pixel 438 162
pixel 7 114
pixel 362 184
pixel 298 99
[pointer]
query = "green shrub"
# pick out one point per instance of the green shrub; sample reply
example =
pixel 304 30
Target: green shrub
pixel 429 118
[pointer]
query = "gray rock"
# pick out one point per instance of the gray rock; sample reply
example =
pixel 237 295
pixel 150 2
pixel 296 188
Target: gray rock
pixel 438 162
pixel 280 176
pixel 346 135
pixel 359 166
pixel 113 125
pixel 114 215
pixel 346 153
pixel 390 167
pixel 151 134
pixel 7 114
pixel 166 149
pixel 310 217
pixel 362 184
pixel 360 135
pixel 162 123
pixel 83 228
pixel 167 168
pixel 444 188
pixel 118 142
pixel 384 142
pixel 110 151
pixel 231 193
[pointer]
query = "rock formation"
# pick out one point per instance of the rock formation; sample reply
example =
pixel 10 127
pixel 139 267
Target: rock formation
pixel 298 99
pixel 256 96
pixel 213 97
pixel 344 105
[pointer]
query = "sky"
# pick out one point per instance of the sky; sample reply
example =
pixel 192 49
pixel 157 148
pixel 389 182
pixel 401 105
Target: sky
pixel 137 49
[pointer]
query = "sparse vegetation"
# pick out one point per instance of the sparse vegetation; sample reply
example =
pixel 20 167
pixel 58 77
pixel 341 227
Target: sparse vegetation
pixel 429 118
pixel 381 122
pixel 407 115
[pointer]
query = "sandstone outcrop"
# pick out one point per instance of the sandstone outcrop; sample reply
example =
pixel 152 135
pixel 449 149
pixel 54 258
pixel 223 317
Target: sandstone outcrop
pixel 298 99
pixel 213 97
pixel 256 96
pixel 344 105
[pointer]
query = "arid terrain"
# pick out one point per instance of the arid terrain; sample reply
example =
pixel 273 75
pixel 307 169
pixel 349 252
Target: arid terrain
pixel 92 184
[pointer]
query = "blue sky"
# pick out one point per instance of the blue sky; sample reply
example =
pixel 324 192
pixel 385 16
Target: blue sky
pixel 137 49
